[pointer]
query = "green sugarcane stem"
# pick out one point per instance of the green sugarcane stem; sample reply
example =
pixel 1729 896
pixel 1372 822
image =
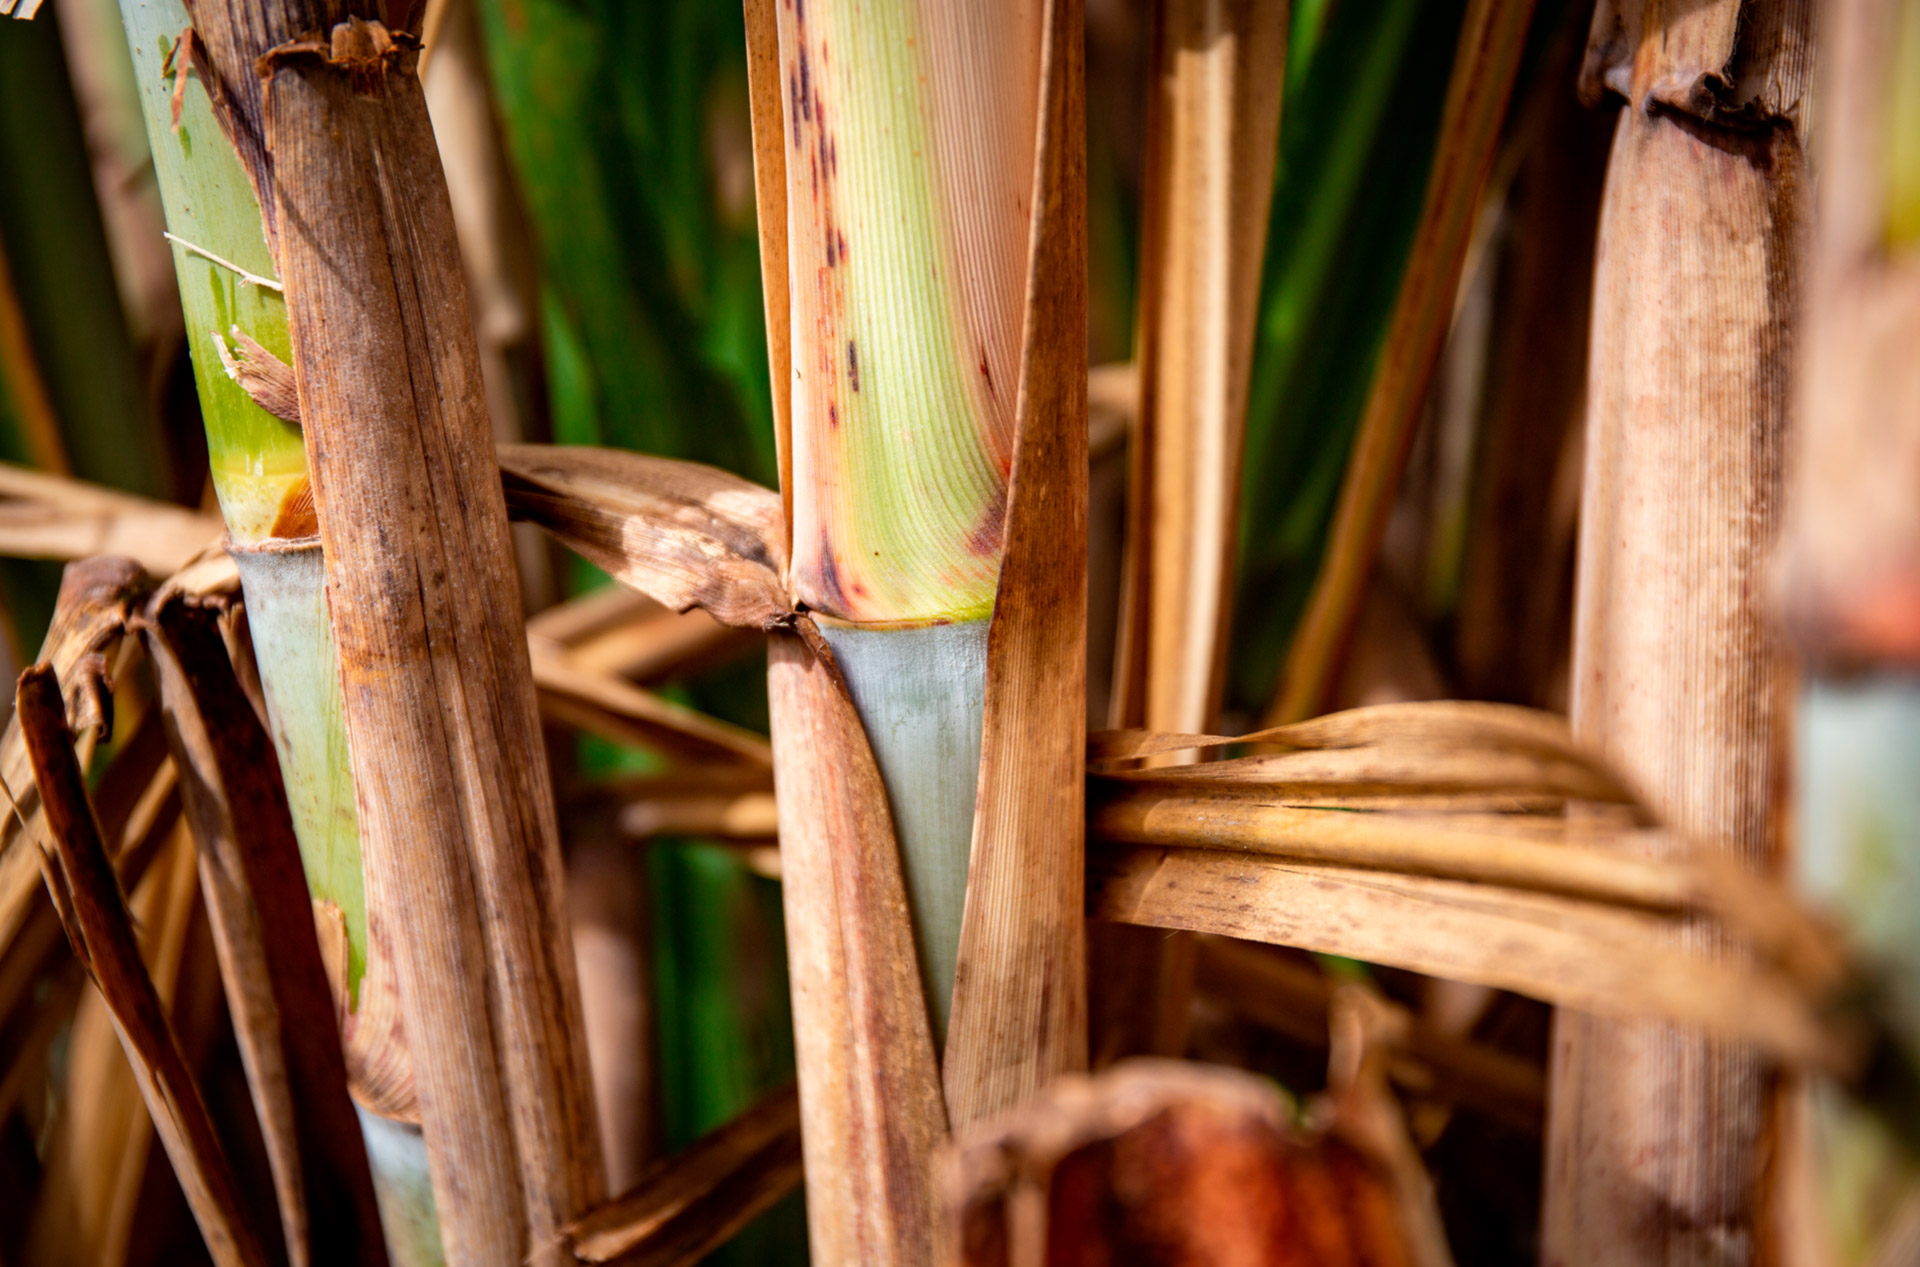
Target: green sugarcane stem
pixel 258 461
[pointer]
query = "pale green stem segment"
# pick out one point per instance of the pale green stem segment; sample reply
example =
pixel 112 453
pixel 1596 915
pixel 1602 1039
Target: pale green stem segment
pixel 920 691
pixel 909 177
pixel 286 588
pixel 397 1155
pixel 1858 857
pixel 257 459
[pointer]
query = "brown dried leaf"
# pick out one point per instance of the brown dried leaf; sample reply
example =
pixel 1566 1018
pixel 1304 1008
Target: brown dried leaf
pixel 101 934
pixel 97 598
pixel 870 1081
pixel 260 374
pixel 48 517
pixel 277 989
pixel 683 534
pixel 1577 954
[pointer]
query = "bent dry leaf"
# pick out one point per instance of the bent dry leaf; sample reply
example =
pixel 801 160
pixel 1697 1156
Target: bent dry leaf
pixel 1472 842
pixel 97 598
pixel 683 534
pixel 95 915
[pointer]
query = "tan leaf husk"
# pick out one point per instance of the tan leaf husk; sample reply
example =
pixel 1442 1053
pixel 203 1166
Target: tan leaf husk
pixel 1019 1000
pixel 458 833
pixel 870 1099
pixel 1659 1134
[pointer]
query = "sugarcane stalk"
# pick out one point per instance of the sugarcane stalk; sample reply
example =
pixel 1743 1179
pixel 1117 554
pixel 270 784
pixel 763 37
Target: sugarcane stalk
pixel 457 821
pixel 909 165
pixel 1850 577
pixel 1657 1135
pixel 259 469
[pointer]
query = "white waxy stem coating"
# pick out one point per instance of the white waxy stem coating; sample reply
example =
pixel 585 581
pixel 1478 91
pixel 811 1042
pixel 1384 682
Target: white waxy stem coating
pixel 920 691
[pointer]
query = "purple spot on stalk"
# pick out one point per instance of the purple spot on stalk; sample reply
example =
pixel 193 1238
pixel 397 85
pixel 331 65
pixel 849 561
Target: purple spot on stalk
pixel 984 540
pixel 806 86
pixel 853 366
pixel 830 579
pixel 833 414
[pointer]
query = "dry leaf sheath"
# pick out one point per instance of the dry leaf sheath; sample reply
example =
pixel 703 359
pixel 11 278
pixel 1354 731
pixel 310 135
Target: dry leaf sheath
pixel 1657 1139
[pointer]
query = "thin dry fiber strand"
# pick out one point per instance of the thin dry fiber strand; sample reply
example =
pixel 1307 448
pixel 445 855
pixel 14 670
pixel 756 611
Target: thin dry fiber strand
pixel 869 1081
pixel 103 1143
pixel 1019 998
pixel 1521 900
pixel 257 903
pixel 691 1204
pixel 1492 39
pixel 620 632
pixel 614 708
pixel 88 897
pixel 1213 127
pixel 1659 1137
pixel 458 832
pixel 138 802
pixel 1279 991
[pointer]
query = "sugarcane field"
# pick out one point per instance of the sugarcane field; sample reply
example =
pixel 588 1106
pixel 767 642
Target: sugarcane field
pixel 960 633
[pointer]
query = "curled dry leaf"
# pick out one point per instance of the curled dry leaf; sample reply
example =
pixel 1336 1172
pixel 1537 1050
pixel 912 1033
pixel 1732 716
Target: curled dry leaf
pixel 683 534
pixel 97 598
pixel 1158 1162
